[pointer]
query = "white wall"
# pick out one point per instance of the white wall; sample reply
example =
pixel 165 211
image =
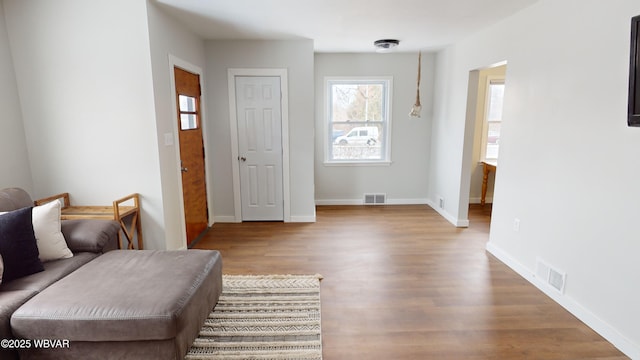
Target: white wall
pixel 14 157
pixel 405 180
pixel 84 77
pixel 297 57
pixel 568 164
pixel 446 171
pixel 168 38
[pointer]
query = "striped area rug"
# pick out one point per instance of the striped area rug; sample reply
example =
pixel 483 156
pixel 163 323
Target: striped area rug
pixel 265 317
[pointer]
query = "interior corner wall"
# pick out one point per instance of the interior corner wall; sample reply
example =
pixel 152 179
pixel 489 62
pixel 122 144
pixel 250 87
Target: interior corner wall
pixel 447 140
pixel 14 157
pixel 168 37
pixel 297 57
pixel 568 166
pixel 84 78
pixel 405 180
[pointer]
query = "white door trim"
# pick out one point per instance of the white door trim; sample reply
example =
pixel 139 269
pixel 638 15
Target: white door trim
pixel 233 124
pixel 175 61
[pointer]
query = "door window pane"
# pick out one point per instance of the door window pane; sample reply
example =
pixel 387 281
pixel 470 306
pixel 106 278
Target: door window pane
pixel 188 121
pixel 187 103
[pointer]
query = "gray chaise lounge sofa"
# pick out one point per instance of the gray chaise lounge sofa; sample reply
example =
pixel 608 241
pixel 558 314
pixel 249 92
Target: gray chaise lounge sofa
pixel 86 239
pixel 105 303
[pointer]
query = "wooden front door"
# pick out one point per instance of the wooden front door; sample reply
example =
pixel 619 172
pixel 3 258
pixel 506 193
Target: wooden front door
pixel 191 153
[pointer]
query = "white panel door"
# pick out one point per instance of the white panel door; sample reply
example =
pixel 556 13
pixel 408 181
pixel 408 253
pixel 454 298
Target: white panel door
pixel 259 116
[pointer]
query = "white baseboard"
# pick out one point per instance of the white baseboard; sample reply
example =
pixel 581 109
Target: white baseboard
pixel 598 325
pixel 232 219
pixel 321 202
pixel 450 218
pixel 303 219
pixel 225 219
pixel 406 201
pixel 477 200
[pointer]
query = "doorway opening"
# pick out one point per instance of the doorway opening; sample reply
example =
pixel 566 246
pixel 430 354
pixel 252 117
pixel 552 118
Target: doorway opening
pixel 484 111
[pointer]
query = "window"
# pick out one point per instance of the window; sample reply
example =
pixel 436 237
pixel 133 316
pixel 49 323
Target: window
pixel 493 118
pixel 188 112
pixel 358 120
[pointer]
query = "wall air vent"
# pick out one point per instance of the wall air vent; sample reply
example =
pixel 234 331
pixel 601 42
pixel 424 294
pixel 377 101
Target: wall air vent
pixel 550 276
pixel 375 199
pixel 556 279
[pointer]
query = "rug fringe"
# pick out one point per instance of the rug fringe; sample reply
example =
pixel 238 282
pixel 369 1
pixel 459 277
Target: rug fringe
pixel 278 276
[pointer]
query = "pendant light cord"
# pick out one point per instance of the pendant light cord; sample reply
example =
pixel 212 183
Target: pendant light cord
pixel 418 87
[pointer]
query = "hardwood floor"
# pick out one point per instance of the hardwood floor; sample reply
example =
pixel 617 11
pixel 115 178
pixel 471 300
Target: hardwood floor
pixel 400 282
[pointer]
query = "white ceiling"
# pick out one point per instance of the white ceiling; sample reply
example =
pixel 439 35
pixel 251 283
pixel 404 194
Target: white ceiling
pixel 343 25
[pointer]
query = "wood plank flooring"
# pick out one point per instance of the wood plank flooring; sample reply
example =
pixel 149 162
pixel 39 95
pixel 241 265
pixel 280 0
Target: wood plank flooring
pixel 400 282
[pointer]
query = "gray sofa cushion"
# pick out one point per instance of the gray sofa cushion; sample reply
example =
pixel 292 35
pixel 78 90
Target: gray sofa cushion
pixel 88 350
pixel 15 293
pixel 9 302
pixel 14 199
pixel 53 271
pixel 127 295
pixel 95 236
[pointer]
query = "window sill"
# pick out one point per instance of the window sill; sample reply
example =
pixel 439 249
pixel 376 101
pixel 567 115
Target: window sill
pixel 357 163
pixel 490 161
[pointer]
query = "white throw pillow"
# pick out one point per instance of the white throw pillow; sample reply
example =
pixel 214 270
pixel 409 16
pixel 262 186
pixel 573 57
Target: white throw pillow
pixel 47 228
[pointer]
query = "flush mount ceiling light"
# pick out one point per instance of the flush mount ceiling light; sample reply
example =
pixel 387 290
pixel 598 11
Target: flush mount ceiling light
pixel 385 45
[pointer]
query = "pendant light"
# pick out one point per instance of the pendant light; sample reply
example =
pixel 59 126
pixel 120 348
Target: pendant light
pixel 415 110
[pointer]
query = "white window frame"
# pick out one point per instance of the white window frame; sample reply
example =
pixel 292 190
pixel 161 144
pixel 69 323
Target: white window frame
pixel 485 121
pixel 386 124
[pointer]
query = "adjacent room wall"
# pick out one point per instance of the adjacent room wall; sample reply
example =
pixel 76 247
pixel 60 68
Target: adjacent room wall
pixel 84 77
pixel 405 179
pixel 297 57
pixel 479 105
pixel 169 38
pixel 14 157
pixel 568 162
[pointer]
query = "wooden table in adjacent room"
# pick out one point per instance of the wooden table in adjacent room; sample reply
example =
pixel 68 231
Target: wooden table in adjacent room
pixel 487 167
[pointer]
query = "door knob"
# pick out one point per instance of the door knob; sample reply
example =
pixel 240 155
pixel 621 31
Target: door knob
pixel 184 169
pixel 243 159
